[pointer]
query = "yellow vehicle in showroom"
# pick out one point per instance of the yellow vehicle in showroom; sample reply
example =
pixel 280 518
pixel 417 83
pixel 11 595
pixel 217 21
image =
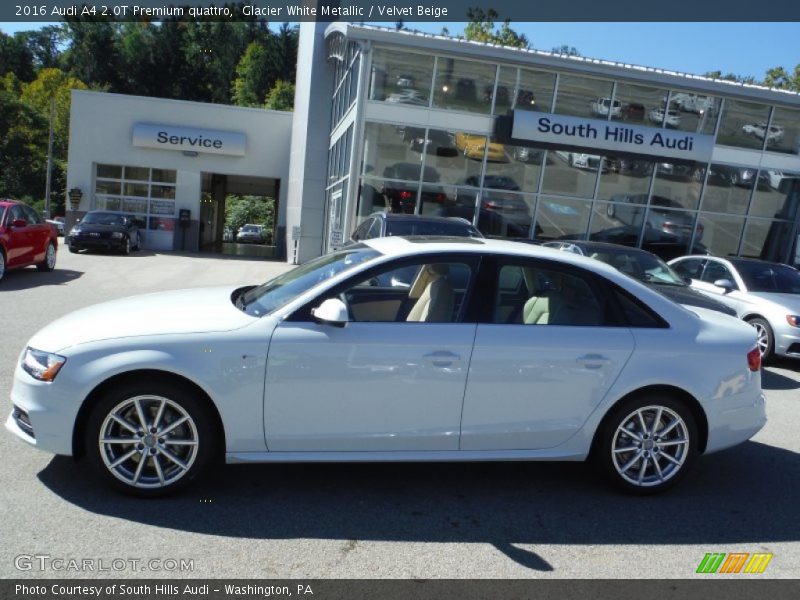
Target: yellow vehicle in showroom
pixel 473 145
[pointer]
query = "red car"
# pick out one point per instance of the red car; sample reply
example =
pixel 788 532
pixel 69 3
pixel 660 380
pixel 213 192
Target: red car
pixel 25 238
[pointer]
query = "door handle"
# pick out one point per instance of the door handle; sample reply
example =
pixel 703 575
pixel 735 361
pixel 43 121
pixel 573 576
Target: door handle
pixel 593 361
pixel 442 358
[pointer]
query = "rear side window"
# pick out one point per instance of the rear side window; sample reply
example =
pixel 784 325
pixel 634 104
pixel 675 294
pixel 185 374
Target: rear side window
pixel 636 314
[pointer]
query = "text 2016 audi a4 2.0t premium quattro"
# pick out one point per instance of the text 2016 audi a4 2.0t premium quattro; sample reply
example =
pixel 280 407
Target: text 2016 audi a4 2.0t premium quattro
pixel 495 351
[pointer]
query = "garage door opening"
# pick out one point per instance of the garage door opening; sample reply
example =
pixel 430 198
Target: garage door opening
pixel 239 215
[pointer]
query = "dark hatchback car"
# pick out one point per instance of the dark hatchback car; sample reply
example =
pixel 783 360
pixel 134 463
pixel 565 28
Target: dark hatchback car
pixel 401 196
pixel 100 230
pixel 385 224
pixel 647 268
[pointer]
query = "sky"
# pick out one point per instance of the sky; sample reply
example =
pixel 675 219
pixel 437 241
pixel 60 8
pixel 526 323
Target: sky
pixel 740 48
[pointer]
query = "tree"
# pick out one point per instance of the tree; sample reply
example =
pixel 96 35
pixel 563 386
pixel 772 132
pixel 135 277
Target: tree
pixel 44 45
pixel 565 49
pixel 255 210
pixel 93 53
pixel 481 28
pixel 256 73
pixel 281 96
pixel 16 57
pixel 23 146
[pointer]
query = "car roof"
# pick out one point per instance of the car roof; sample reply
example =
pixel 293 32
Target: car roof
pixel 9 202
pixel 390 216
pixel 607 246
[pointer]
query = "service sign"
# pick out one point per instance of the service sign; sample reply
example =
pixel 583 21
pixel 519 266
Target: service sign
pixel 208 141
pixel 612 136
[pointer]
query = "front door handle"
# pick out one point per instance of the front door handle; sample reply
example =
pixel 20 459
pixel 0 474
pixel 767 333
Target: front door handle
pixel 442 358
pixel 593 361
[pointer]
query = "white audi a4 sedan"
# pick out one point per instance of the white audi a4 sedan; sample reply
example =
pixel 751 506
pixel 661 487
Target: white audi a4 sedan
pixel 489 350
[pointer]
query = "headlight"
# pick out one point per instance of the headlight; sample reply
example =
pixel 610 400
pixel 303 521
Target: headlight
pixel 793 320
pixel 42 365
pixel 74 230
pixel 116 235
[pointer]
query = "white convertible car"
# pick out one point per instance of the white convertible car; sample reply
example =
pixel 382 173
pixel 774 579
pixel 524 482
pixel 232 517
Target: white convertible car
pixel 495 351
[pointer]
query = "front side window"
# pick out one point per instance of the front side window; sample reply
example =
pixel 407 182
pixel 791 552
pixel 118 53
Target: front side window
pixel 275 293
pixel 715 271
pixel 31 215
pixel 529 294
pixel 764 277
pixel 421 292
pixel 691 268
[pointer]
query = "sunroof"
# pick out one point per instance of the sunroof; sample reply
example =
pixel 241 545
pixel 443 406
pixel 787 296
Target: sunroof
pixel 442 239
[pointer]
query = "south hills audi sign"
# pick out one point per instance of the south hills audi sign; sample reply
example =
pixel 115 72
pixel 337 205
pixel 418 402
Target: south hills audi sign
pixel 189 139
pixel 613 136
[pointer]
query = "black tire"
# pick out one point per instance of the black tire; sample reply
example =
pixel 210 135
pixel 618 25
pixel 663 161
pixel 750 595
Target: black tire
pixel 766 338
pixel 126 246
pixel 47 264
pixel 2 264
pixel 73 249
pixel 611 210
pixel 160 475
pixel 623 468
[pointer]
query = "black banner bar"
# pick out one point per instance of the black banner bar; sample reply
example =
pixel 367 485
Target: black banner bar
pixel 741 587
pixel 407 11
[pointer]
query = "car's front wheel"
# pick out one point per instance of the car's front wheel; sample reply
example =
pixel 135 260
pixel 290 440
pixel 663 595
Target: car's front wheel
pixel 150 439
pixel 126 246
pixel 648 444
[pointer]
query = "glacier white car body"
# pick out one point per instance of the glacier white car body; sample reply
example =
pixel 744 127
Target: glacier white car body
pixel 286 388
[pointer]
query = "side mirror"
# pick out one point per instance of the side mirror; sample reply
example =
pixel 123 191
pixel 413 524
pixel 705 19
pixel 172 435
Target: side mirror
pixel 726 284
pixel 687 280
pixel 19 223
pixel 331 312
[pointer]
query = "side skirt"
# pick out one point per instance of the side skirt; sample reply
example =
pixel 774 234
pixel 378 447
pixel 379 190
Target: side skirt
pixel 401 456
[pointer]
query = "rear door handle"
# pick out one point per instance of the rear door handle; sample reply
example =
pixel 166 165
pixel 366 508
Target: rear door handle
pixel 442 358
pixel 593 361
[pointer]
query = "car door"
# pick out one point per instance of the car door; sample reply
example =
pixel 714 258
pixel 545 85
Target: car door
pixel 40 233
pixel 391 379
pixel 545 355
pixel 20 246
pixel 715 270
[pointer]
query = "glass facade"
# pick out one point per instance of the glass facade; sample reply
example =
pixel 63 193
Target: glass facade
pixel 409 164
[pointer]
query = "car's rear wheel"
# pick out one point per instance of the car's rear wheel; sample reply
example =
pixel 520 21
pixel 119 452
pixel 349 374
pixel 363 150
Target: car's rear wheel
pixel 49 262
pixel 150 439
pixel 126 246
pixel 2 265
pixel 648 444
pixel 765 339
pixel 73 249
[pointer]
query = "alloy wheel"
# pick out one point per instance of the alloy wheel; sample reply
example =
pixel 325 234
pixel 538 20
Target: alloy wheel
pixel 148 441
pixel 762 338
pixel 650 446
pixel 51 257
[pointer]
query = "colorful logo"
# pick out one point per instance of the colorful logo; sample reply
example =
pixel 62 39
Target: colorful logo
pixel 735 562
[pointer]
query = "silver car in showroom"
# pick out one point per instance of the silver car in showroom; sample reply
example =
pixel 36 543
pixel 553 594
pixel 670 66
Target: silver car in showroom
pixel 765 294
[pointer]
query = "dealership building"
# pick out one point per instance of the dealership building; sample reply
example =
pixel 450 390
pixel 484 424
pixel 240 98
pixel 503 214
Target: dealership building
pixel 523 143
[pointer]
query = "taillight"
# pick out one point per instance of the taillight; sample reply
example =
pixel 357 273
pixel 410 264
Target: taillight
pixel 440 197
pixel 754 359
pixel 404 195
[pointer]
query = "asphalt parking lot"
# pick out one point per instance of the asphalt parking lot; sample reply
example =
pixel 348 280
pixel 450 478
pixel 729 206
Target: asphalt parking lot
pixel 417 521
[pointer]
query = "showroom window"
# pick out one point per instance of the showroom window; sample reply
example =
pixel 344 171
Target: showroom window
pixel 523 89
pixel 784 131
pixel 744 124
pixel 585 97
pixel 401 77
pixel 693 112
pixel 464 85
pixel 728 189
pixel 571 173
pixel 148 195
pixel 639 105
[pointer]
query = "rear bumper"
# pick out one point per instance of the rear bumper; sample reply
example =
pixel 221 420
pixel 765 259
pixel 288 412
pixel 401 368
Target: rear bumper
pixel 736 423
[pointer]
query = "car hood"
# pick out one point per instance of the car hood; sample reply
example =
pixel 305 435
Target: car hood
pixel 686 295
pixel 789 301
pixel 196 310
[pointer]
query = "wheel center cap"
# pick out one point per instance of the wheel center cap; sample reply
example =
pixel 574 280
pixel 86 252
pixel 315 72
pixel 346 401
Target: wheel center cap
pixel 149 440
pixel 648 444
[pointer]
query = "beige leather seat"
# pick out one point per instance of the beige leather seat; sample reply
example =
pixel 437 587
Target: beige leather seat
pixel 435 297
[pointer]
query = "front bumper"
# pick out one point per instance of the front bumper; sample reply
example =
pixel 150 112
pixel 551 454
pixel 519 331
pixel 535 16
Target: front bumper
pixel 94 243
pixel 787 341
pixel 48 410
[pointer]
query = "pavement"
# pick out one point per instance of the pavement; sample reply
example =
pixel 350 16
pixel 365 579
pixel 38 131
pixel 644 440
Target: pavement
pixel 485 520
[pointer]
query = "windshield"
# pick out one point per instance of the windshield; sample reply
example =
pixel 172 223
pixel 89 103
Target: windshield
pixel 642 266
pixel 250 229
pixel 764 277
pixel 103 219
pixel 278 292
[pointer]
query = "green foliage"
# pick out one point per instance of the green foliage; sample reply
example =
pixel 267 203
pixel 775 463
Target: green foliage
pixel 23 147
pixel 565 49
pixel 481 28
pixel 256 73
pixel 16 57
pixel 255 210
pixel 281 96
